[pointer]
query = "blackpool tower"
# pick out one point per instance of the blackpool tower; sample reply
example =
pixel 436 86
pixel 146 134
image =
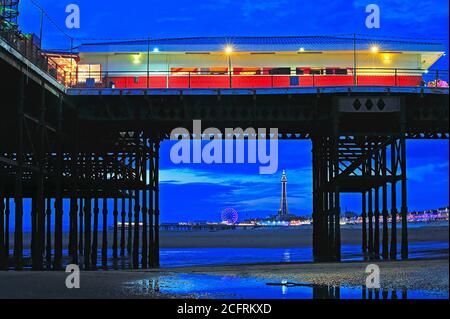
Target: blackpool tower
pixel 283 212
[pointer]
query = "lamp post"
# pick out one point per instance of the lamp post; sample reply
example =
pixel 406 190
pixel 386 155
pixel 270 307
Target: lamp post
pixel 148 63
pixel 228 52
pixel 355 82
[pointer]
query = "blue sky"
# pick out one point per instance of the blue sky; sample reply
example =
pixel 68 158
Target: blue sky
pixel 198 192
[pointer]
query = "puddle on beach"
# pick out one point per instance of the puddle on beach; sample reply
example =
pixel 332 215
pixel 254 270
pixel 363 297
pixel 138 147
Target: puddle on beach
pixel 233 287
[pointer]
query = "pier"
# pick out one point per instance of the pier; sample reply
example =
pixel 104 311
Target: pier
pixel 71 151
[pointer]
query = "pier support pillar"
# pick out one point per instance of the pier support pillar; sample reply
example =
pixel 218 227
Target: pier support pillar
pixel 385 212
pixel 364 222
pixel 18 195
pixel 105 233
pixel 94 251
pixel 144 158
pixel 156 250
pixel 393 252
pixel 122 229
pixel 3 260
pixel 404 207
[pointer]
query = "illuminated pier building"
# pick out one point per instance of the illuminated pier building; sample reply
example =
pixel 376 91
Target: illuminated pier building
pixel 248 62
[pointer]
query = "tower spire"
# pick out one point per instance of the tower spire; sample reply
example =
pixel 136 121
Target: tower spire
pixel 283 212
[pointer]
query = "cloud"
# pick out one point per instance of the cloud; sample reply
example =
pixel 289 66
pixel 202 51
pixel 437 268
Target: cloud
pixel 424 172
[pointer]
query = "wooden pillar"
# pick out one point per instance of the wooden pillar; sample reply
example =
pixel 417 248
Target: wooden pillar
pixel 3 261
pixel 57 263
pixel 39 176
pixel 18 190
pixel 404 207
pixel 326 254
pixel 331 216
pixel 376 242
pixel 7 215
pixel 81 222
pixel 337 195
pixel 105 233
pixel 393 253
pixel 144 157
pixel 73 245
pixel 94 252
pixel 370 201
pixel 115 229
pixel 34 234
pixel 48 254
pixel 315 213
pixel 122 229
pixel 157 144
pixel 151 230
pixel 364 223
pixel 136 230
pixel 385 212
pixel 130 224
pixel 87 232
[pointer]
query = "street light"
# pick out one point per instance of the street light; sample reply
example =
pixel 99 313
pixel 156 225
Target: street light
pixel 374 49
pixel 229 51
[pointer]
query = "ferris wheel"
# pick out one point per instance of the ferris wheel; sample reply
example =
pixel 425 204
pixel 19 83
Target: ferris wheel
pixel 229 216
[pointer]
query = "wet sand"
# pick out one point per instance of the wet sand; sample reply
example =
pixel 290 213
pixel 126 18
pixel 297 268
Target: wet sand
pixel 430 275
pixel 284 237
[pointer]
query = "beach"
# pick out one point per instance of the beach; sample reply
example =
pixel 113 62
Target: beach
pixel 430 276
pixel 217 275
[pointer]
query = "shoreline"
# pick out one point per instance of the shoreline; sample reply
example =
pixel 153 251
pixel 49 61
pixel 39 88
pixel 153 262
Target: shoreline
pixel 267 237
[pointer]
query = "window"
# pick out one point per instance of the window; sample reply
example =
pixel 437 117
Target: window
pixel 183 71
pixel 89 71
pixel 280 71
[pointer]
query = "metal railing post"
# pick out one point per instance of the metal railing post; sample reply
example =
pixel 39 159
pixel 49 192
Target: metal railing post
pixel 396 80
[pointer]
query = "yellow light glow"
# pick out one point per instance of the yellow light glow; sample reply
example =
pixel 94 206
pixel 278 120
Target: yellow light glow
pixel 302 49
pixel 387 59
pixel 374 49
pixel 136 59
pixel 229 49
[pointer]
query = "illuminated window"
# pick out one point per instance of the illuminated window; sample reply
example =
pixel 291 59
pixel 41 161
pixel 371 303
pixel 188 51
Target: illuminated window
pixel 247 71
pixel 183 71
pixel 89 71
